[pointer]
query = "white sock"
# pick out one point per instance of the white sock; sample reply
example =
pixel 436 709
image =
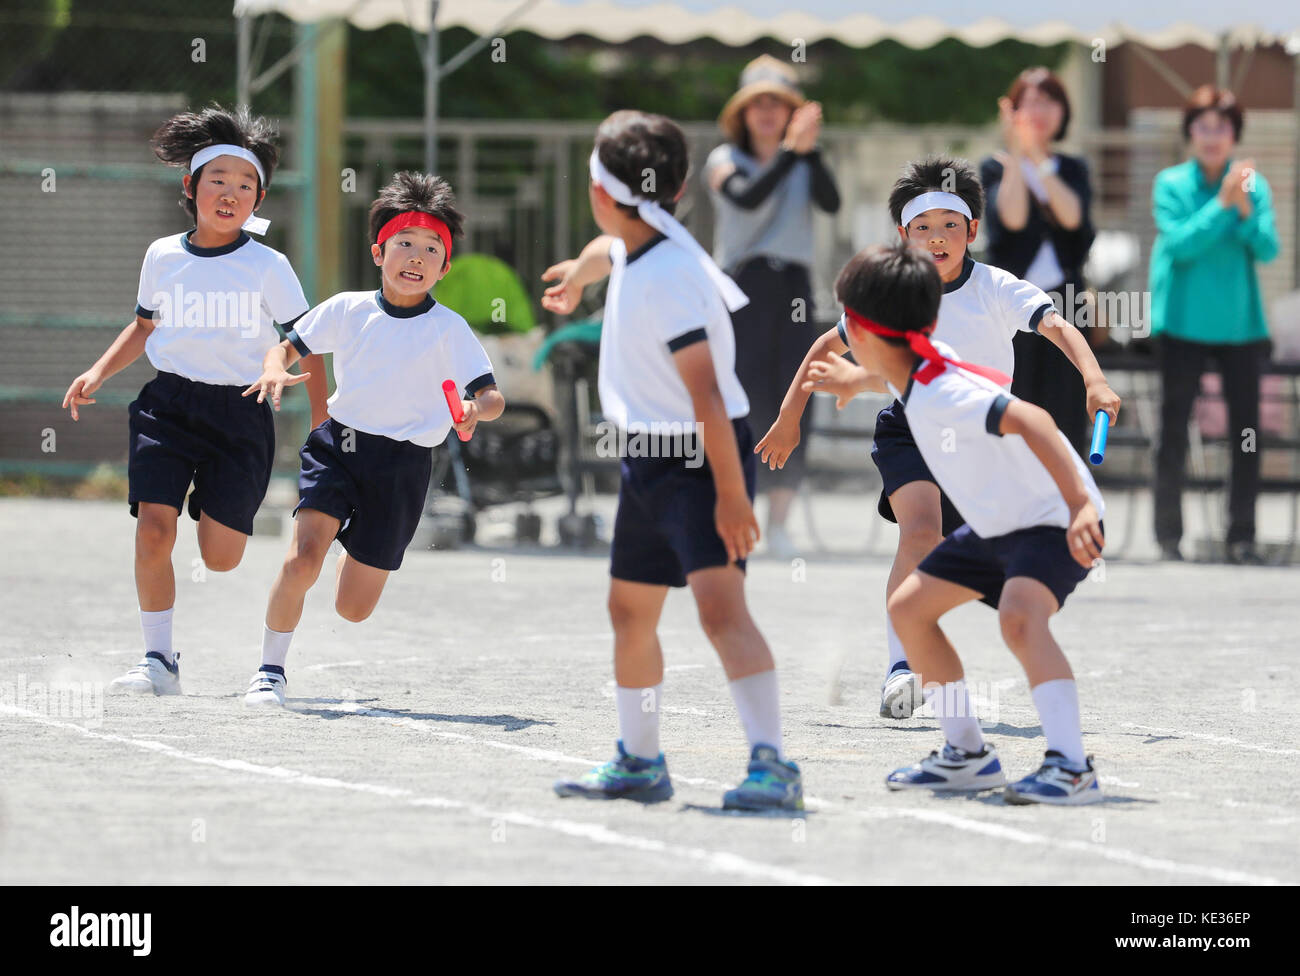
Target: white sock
pixel 758 700
pixel 275 646
pixel 157 627
pixel 1058 710
pixel 638 720
pixel 956 717
pixel 896 652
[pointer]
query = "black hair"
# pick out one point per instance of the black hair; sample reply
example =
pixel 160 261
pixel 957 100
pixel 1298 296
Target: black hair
pixel 640 146
pixel 894 284
pixel 421 192
pixel 181 136
pixel 947 173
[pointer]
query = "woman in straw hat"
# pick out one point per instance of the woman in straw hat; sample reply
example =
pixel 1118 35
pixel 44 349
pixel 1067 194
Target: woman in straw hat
pixel 764 181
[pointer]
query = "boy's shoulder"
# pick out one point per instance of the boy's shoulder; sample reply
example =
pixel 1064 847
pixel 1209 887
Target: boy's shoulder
pixel 269 255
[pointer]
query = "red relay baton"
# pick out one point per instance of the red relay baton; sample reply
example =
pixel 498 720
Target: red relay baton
pixel 454 405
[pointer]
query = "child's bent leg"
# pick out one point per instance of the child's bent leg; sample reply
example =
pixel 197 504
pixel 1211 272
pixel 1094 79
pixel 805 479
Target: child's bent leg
pixel 915 608
pixel 751 672
pixel 1024 610
pixel 155 537
pixel 220 546
pixel 920 528
pixel 357 588
pixel 313 532
pixel 634 610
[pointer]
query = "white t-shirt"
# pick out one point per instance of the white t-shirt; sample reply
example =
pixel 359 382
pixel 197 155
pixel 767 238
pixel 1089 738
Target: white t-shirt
pixel 996 482
pixel 390 363
pixel 214 308
pixel 983 309
pixel 659 300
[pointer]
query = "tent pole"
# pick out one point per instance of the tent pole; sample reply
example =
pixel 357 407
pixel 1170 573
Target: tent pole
pixel 431 91
pixel 308 143
pixel 243 68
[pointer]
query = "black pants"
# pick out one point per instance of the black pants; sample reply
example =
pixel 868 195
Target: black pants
pixel 773 334
pixel 1181 365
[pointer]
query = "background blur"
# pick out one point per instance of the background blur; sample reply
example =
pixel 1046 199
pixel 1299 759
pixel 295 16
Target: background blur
pixel 83 85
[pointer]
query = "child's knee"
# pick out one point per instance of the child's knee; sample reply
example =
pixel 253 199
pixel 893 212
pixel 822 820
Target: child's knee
pixel 351 609
pixel 1019 625
pixel 905 606
pixel 303 564
pixel 723 620
pixel 221 558
pixel 154 535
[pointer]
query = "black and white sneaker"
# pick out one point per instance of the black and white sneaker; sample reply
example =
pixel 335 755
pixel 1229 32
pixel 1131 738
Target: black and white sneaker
pixel 152 676
pixel 267 688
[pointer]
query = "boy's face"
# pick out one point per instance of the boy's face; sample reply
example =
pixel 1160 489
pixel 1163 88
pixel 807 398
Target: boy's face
pixel 412 262
pixel 225 194
pixel 603 209
pixel 944 235
pixel 865 347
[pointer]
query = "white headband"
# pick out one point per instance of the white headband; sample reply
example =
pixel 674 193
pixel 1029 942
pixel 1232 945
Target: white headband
pixel 254 223
pixel 934 200
pixel 664 222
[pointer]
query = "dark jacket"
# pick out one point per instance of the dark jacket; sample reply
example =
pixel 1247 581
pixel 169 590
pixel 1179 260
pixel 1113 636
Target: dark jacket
pixel 1014 250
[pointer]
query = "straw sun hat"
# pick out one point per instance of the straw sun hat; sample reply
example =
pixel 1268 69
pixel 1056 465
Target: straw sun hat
pixel 765 75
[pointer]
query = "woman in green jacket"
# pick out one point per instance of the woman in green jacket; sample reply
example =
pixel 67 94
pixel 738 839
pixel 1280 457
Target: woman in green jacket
pixel 1214 217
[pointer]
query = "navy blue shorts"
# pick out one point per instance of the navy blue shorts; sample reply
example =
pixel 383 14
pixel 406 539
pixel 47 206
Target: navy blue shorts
pixel 183 431
pixel 900 462
pixel 664 529
pixel 985 565
pixel 374 485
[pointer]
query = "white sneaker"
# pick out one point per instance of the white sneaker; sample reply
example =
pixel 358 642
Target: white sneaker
pixel 901 694
pixel 266 688
pixel 779 543
pixel 153 676
pixel 951 769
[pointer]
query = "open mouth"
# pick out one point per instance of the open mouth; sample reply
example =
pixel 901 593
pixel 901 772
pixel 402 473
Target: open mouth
pixel 939 256
pixel 411 276
pixel 223 212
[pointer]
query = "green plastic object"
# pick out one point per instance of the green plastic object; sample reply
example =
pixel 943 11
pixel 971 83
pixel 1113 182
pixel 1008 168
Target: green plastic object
pixel 487 293
pixel 586 331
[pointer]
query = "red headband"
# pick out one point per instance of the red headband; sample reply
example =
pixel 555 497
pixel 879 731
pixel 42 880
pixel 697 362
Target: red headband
pixel 919 340
pixel 416 218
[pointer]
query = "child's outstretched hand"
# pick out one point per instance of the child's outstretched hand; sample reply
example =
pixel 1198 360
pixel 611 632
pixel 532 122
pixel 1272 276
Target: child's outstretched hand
pixel 562 298
pixel 836 375
pixel 779 442
pixel 1084 535
pixel 470 411
pixel 1102 397
pixel 80 391
pixel 273 383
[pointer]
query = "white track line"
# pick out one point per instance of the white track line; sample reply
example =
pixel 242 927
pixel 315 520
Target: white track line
pixel 717 862
pixel 1218 740
pixel 1117 854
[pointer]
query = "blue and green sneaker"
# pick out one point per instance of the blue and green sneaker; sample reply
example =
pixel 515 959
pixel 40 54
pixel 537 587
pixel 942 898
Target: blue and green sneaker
pixel 622 778
pixel 770 785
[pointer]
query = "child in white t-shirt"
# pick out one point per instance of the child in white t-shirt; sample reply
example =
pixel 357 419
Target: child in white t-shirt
pixel 936 203
pixel 366 469
pixel 1033 527
pixel 206 313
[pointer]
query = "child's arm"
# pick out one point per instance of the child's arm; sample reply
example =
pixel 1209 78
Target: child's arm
pixel 734 515
pixel 780 441
pixel 1038 429
pixel 1070 341
pixel 843 377
pixel 275 373
pixel 318 391
pixel 487 404
pixel 125 350
pixel 576 274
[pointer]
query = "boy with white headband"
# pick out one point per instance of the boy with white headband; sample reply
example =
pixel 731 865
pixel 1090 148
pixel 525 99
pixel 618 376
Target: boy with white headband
pixel 207 310
pixel 1033 527
pixel 667 358
pixel 936 203
pixel 365 470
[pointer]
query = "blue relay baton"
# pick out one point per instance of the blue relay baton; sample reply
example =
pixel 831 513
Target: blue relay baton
pixel 1100 428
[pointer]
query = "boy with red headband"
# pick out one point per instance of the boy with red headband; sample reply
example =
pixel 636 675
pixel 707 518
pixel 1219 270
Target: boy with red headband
pixel 366 469
pixel 1033 527
pixel 937 204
